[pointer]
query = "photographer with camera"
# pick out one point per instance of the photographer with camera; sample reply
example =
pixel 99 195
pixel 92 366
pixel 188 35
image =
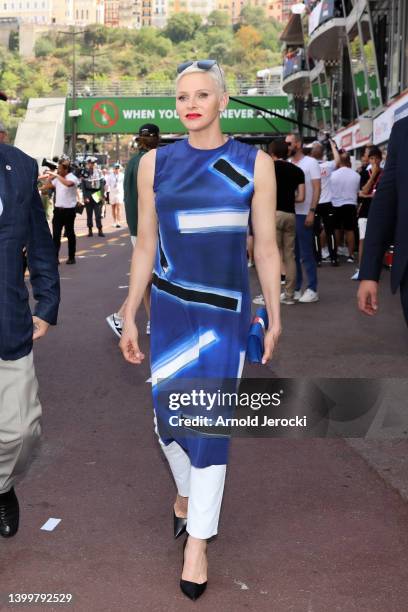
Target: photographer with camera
pixel 65 183
pixel 92 189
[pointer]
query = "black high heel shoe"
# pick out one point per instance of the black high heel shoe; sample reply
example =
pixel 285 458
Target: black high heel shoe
pixel 179 524
pixel 193 590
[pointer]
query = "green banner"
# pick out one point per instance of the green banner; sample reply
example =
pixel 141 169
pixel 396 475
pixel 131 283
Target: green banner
pixel 126 115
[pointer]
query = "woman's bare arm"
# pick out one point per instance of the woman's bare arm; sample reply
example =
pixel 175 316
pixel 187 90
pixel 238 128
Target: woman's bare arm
pixel 266 253
pixel 143 256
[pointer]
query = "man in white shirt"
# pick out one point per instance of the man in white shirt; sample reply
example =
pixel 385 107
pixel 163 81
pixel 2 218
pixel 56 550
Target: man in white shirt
pixel 65 184
pixel 345 185
pixel 324 211
pixel 305 214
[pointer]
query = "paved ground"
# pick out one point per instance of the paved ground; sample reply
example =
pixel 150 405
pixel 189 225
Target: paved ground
pixel 307 526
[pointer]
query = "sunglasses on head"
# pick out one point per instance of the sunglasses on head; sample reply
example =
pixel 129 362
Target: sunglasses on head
pixel 201 64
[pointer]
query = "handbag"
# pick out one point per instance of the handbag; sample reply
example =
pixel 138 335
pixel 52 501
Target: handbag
pixel 256 336
pixel 79 208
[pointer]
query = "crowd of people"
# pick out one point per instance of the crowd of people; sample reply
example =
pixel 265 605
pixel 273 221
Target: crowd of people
pixel 69 191
pixel 322 211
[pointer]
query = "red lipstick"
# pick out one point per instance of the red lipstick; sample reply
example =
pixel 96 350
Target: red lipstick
pixel 193 116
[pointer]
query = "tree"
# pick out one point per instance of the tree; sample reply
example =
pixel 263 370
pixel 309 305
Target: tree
pixel 218 19
pixel 220 52
pixel 182 27
pixel 14 40
pixel 253 15
pixel 43 47
pixel 248 38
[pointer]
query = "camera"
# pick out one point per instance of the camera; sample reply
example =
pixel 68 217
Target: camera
pixel 79 169
pixel 48 163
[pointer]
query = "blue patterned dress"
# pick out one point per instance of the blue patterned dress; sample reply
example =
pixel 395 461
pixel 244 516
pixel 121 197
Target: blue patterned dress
pixel 200 302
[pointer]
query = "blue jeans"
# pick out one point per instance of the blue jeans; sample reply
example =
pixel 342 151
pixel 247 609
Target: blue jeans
pixel 304 254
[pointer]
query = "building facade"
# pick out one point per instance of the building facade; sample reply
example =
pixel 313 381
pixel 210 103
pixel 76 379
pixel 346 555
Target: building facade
pixel 346 64
pixel 48 12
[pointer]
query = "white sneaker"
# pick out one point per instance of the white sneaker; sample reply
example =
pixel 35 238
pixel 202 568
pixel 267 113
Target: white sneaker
pixel 309 296
pixel 288 301
pixel 325 253
pixel 259 299
pixel 342 250
pixel 297 295
pixel 250 264
pixel 115 322
pixel 355 275
pixel 148 328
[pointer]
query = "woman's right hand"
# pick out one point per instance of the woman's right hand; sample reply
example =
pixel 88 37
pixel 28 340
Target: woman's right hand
pixel 129 343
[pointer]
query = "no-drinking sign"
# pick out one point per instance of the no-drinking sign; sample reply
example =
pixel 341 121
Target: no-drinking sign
pixel 126 115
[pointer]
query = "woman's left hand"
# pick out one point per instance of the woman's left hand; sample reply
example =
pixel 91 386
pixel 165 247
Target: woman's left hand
pixel 271 340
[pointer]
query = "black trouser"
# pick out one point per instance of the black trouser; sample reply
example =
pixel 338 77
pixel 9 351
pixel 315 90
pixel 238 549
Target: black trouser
pixel 93 207
pixel 64 217
pixel 324 216
pixel 404 295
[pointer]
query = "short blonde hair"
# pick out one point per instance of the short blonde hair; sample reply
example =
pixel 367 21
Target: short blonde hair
pixel 215 72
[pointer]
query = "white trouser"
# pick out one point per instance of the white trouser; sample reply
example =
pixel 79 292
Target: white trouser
pixel 203 487
pixel 20 418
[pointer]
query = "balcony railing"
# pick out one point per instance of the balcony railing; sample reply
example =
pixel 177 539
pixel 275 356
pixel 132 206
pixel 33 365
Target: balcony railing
pixel 324 10
pixel 134 88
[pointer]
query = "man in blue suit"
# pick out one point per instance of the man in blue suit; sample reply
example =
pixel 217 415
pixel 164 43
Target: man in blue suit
pixel 22 225
pixel 388 224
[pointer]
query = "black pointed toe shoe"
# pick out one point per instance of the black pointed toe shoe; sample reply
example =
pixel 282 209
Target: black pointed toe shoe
pixel 179 524
pixel 9 514
pixel 192 590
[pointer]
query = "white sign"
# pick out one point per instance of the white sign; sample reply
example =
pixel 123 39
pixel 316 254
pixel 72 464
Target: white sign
pixel 384 122
pixel 352 137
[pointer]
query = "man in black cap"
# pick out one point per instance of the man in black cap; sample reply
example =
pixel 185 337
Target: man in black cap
pixel 148 138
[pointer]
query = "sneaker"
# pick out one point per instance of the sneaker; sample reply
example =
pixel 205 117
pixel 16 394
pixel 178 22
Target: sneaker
pixel 101 234
pixel 283 279
pixel 259 299
pixel 342 250
pixel 309 296
pixel 115 322
pixel 355 275
pixel 350 259
pixel 250 264
pixel 118 225
pixel 325 253
pixel 288 301
pixel 148 328
pixel 297 295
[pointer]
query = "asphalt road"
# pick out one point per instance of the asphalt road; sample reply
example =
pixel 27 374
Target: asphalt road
pixel 306 525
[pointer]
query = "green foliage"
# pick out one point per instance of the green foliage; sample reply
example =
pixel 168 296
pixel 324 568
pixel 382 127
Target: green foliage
pixel 253 16
pixel 43 47
pixel 14 40
pixel 61 73
pixel 218 19
pixel 123 54
pixel 182 27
